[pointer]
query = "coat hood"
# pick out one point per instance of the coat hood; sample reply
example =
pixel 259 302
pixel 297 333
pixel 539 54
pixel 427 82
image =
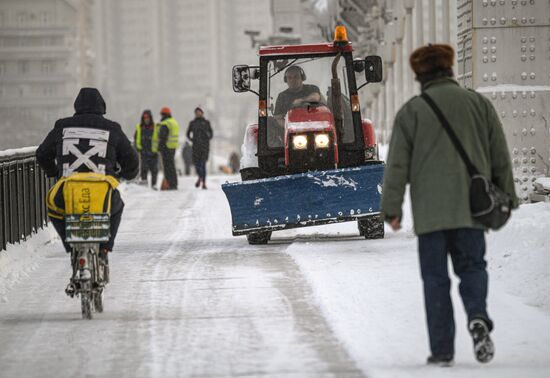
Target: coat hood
pixel 89 100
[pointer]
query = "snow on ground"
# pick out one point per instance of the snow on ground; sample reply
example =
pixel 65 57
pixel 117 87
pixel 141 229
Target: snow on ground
pixel 187 299
pixel 19 260
pixel 519 255
pixel 371 293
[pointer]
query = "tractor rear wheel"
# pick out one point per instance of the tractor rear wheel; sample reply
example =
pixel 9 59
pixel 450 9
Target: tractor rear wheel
pixel 371 227
pixel 257 238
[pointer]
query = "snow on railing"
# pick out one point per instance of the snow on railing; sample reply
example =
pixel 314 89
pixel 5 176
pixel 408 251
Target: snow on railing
pixel 23 189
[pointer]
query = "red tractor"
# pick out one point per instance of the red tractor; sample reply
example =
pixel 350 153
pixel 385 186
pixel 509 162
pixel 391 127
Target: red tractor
pixel 311 159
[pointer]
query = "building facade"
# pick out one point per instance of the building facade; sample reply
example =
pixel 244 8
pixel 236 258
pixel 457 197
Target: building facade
pixel 502 51
pixel 46 54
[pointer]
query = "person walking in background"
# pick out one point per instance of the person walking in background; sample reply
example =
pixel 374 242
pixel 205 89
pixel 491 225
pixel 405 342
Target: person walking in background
pixel 187 156
pixel 146 143
pixel 422 154
pixel 169 130
pixel 234 162
pixel 200 133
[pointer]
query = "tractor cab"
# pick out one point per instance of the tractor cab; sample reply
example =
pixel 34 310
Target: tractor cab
pixel 309 115
pixel 311 158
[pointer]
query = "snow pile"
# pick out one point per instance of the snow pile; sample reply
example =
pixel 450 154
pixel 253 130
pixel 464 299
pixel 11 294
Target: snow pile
pixel 519 256
pixel 17 151
pixel 18 260
pixel 543 182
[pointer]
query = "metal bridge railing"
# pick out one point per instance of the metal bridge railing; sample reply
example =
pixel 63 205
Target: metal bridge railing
pixel 23 189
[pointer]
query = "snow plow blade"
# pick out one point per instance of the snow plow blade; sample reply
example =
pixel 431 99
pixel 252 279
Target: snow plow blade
pixel 305 199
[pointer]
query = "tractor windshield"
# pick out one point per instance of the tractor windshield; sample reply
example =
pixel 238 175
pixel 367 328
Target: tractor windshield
pixel 302 82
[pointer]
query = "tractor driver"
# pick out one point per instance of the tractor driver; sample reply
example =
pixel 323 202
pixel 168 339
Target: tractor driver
pixel 296 93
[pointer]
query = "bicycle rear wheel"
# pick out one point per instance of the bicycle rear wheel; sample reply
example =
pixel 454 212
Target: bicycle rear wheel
pixel 85 301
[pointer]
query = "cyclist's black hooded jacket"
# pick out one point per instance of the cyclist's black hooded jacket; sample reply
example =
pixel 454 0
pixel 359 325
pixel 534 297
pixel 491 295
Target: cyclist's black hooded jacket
pixel 88 142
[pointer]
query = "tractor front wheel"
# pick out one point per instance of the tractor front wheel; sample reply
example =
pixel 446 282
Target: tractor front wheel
pixel 371 227
pixel 257 238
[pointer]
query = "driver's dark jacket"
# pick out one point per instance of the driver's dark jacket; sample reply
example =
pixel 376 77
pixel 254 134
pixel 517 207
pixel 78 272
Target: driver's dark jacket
pixel 97 144
pixel 286 97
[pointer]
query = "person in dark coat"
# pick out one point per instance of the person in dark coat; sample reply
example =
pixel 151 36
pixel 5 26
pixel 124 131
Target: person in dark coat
pixel 200 133
pixel 421 153
pixel 146 142
pixel 88 142
pixel 187 156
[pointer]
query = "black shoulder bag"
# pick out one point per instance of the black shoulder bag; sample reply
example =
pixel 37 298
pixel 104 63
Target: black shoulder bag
pixel 489 204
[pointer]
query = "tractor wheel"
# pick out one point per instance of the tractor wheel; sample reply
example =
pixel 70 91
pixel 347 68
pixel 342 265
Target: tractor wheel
pixel 371 227
pixel 256 238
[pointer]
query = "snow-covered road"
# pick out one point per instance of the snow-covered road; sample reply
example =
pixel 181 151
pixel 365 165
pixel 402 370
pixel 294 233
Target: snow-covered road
pixel 188 299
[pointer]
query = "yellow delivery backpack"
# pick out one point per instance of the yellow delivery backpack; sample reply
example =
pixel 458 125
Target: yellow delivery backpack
pixel 83 200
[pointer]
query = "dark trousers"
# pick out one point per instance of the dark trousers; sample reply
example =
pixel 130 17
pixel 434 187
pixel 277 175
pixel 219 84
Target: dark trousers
pixel 169 165
pixel 201 170
pixel 149 163
pixel 117 206
pixel 467 249
pixel 187 168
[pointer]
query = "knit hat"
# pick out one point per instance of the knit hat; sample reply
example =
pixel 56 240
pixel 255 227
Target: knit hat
pixel 198 108
pixel 432 58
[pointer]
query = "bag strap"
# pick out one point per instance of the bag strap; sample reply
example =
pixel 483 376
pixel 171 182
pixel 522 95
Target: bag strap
pixel 469 166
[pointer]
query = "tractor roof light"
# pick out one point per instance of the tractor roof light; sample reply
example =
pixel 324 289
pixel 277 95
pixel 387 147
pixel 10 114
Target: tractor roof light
pixel 340 36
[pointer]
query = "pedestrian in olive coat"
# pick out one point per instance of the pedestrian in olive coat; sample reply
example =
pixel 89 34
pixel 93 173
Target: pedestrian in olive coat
pixel 421 154
pixel 200 133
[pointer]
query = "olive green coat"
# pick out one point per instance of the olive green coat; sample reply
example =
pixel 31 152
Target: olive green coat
pixel 421 154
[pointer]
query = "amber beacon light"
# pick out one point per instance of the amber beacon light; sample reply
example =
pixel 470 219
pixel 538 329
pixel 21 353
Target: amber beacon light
pixel 340 36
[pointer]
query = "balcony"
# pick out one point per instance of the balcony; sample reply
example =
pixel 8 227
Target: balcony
pixel 35 101
pixel 36 31
pixel 34 52
pixel 37 79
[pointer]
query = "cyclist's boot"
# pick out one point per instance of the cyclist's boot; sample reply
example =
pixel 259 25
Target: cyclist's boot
pixel 104 262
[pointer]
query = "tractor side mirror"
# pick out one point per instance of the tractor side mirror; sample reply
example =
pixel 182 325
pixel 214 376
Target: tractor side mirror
pixel 241 78
pixel 373 69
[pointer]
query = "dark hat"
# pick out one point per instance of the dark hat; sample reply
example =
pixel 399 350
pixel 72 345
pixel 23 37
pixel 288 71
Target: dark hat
pixel 199 109
pixel 432 58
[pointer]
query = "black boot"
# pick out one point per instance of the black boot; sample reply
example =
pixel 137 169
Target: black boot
pixel 104 264
pixel 484 348
pixel 442 361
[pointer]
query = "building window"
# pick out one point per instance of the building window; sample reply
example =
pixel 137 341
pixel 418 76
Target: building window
pixel 21 18
pixel 47 67
pixel 45 18
pixel 49 90
pixel 23 67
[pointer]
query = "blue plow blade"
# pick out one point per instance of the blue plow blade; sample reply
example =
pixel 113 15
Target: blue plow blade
pixel 305 199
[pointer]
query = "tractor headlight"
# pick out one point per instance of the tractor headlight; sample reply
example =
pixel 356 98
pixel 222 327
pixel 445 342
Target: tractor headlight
pixel 299 142
pixel 322 140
